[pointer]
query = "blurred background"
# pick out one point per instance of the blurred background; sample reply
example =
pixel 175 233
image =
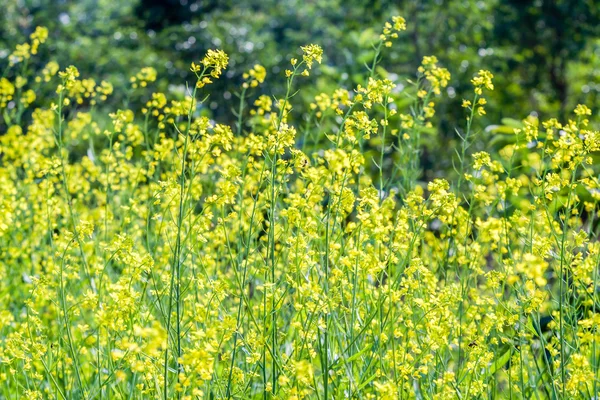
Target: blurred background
pixel 545 54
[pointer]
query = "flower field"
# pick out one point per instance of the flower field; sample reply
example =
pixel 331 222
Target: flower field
pixel 156 252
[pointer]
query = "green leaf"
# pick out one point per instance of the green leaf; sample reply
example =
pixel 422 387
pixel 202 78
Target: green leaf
pixel 369 380
pixel 500 362
pixel 504 129
pixel 360 353
pixel 512 123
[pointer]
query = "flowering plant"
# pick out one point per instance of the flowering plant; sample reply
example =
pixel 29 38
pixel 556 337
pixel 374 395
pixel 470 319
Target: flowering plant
pixel 179 257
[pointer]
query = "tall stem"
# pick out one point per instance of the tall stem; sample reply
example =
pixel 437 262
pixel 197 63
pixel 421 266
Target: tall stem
pixel 175 284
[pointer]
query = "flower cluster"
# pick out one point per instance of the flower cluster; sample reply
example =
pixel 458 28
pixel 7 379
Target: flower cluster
pixel 143 78
pixel 391 30
pixel 25 50
pixel 483 80
pixel 311 53
pixel 213 64
pixel 255 76
pixel 438 77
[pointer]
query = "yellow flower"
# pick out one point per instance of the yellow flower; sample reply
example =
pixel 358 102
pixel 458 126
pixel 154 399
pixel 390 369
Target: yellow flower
pixel 390 30
pixel 216 61
pixel 7 90
pixel 311 53
pixel 255 76
pixel 483 80
pixel 141 79
pixel 69 75
pixel 38 37
pixel 481 159
pixel 582 110
pixel 437 76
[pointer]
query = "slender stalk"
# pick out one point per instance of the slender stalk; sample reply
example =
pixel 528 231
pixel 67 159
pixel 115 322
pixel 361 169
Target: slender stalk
pixel 271 238
pixel 176 263
pixel 65 185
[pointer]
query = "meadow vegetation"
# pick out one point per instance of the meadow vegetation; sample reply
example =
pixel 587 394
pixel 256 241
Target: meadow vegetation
pixel 155 252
